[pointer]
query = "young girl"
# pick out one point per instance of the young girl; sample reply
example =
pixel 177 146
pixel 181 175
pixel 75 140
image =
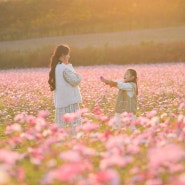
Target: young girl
pixel 62 80
pixel 127 96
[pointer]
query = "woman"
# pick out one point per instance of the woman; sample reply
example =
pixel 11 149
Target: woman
pixel 64 82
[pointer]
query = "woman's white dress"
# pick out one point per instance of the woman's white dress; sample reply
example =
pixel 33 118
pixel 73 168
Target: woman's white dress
pixel 66 95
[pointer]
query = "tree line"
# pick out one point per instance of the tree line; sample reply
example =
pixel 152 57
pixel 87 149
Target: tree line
pixel 22 19
pixel 131 54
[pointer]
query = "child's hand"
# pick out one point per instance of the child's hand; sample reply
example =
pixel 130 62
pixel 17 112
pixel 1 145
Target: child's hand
pixel 108 82
pixel 102 79
pixel 111 85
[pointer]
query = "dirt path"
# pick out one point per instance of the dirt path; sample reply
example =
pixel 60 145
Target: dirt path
pixel 169 34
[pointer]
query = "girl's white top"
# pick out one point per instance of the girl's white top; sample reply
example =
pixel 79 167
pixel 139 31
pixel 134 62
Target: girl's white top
pixel 64 93
pixel 127 87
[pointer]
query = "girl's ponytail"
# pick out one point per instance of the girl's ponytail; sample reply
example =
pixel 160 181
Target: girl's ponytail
pixel 134 73
pixel 136 87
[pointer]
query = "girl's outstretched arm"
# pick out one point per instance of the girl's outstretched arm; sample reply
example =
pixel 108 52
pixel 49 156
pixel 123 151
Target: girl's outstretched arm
pixel 108 82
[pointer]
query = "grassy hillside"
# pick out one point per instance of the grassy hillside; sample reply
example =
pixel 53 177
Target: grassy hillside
pixel 114 39
pixel 21 19
pixel 132 54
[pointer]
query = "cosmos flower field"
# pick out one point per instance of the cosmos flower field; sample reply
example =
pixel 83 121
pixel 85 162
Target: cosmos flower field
pixel 33 150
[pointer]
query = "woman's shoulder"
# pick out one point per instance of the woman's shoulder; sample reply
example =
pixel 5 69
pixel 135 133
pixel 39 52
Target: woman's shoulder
pixel 69 65
pixel 62 65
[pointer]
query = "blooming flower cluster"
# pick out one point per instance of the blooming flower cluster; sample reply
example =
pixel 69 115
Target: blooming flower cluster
pixel 34 150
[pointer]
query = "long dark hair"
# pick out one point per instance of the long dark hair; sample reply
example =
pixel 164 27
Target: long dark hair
pixel 54 60
pixel 134 73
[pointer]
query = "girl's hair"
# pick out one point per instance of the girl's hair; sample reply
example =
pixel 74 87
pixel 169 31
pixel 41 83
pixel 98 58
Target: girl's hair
pixel 134 73
pixel 58 52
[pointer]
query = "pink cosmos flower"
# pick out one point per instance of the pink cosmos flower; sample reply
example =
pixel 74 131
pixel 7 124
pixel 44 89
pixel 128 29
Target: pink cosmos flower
pixel 21 117
pixel 20 173
pixel 151 114
pixel 15 140
pixel 31 120
pixel 107 134
pixel 97 110
pixel 71 156
pixel 43 113
pixel 88 127
pixel 13 128
pixel 103 118
pixel 67 172
pixel 84 150
pixel 116 141
pixel 9 157
pixel 69 117
pixel 179 180
pixel 40 124
pixel 174 168
pixel 116 160
pixel 82 111
pixel 112 121
pixel 181 106
pixel 133 149
pixel 156 181
pixel 109 176
pixel 142 176
pixel 29 135
pixel 36 155
pixel 169 153
pixel 46 132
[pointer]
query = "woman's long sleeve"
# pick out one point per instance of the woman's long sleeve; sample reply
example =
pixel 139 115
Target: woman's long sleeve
pixel 71 77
